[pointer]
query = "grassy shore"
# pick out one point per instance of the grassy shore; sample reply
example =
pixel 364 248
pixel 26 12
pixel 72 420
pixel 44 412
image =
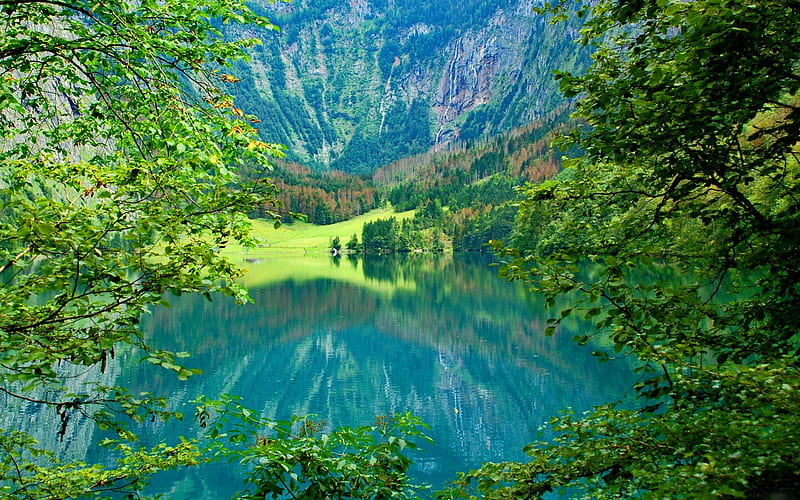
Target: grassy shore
pixel 301 251
pixel 305 238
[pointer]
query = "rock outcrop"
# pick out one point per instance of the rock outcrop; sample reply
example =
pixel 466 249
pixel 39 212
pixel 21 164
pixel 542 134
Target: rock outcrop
pixel 355 85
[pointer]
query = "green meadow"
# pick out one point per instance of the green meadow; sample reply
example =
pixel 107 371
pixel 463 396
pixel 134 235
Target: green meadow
pixel 304 238
pixel 300 251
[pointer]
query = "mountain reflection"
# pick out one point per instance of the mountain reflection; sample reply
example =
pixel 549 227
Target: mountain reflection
pixel 454 344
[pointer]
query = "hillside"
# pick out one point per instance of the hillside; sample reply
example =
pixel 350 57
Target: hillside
pixel 464 195
pixel 357 85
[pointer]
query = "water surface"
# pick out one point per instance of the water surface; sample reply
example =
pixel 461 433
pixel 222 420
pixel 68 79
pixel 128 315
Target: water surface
pixel 350 339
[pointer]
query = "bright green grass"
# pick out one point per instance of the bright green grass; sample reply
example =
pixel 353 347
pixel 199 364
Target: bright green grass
pixel 301 252
pixel 306 238
pixel 279 267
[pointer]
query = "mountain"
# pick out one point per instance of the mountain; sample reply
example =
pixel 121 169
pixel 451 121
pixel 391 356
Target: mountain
pixel 356 85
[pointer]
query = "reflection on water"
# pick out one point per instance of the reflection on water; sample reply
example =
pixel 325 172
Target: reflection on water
pixel 439 336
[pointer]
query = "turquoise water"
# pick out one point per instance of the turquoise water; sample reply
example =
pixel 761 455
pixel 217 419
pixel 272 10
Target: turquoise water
pixel 439 336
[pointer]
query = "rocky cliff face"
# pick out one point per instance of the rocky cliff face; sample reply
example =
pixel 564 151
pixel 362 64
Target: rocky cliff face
pixel 479 62
pixel 355 85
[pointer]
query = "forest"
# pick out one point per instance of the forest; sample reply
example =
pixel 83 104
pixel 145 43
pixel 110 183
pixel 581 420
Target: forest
pixel 472 185
pixel 129 165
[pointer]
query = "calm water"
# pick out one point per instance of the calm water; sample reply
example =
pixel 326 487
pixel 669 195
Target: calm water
pixel 347 340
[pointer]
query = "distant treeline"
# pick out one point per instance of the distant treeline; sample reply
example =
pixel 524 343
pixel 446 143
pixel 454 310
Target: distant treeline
pixel 323 197
pixel 464 195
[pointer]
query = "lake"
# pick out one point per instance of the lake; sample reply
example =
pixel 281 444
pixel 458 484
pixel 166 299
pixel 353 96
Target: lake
pixel 353 338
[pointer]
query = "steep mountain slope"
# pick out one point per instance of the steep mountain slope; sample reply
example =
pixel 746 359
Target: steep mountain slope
pixel 355 85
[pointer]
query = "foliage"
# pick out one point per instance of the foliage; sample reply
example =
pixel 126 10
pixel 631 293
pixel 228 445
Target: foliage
pixel 78 479
pixel 300 459
pixel 119 165
pixel 380 236
pixel 420 233
pixel 691 161
pixel 474 229
pixel 352 243
pixel 703 448
pixel 325 198
pixel 475 182
pixel 454 175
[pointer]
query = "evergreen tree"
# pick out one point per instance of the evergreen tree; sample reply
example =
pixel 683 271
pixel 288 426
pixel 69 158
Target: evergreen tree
pixel 352 244
pixel 379 236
